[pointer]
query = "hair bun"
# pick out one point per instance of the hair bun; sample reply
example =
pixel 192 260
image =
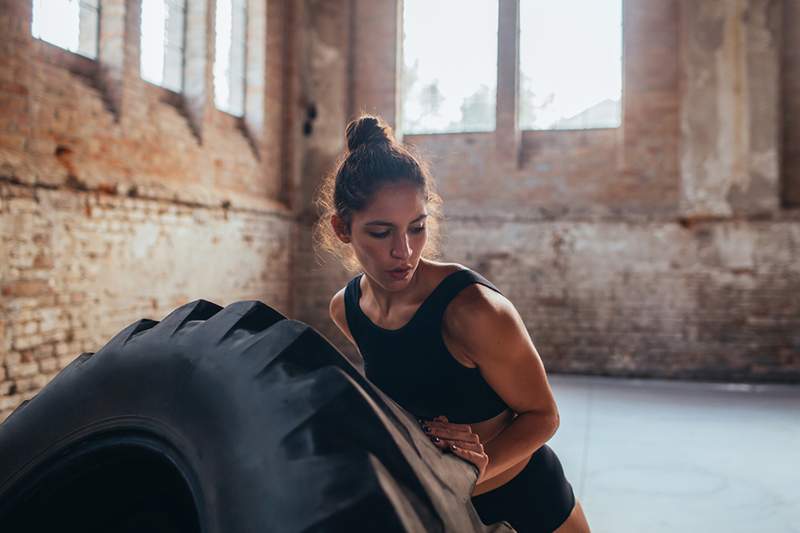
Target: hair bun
pixel 367 129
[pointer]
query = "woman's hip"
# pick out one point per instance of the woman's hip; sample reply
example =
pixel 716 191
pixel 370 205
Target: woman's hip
pixel 538 498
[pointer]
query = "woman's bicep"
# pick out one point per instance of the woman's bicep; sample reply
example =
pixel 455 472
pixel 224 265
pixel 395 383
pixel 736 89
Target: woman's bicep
pixel 493 333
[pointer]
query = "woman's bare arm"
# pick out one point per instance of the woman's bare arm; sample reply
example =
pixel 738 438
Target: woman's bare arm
pixel 489 329
pixel 337 314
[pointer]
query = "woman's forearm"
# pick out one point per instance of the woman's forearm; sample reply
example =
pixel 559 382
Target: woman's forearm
pixel 523 436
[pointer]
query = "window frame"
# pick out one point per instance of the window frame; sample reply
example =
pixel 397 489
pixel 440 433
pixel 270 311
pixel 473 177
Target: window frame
pixel 245 57
pixel 168 96
pixel 79 64
pixel 507 87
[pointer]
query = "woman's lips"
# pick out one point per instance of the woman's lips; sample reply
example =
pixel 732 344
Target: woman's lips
pixel 399 274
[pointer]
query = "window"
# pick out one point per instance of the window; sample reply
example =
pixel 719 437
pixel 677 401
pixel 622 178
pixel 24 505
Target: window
pixel 162 42
pixel 70 24
pixel 229 57
pixel 449 65
pixel 570 64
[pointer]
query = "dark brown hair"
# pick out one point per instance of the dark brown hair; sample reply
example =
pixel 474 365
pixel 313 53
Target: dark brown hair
pixel 373 159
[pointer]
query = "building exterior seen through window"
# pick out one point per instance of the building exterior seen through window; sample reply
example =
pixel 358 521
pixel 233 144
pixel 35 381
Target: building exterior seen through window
pixel 163 25
pixel 229 55
pixel 570 64
pixel 69 24
pixel 449 75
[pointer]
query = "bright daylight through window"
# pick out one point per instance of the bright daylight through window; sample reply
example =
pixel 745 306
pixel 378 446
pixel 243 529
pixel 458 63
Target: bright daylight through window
pixel 229 70
pixel 449 78
pixel 162 29
pixel 69 24
pixel 570 64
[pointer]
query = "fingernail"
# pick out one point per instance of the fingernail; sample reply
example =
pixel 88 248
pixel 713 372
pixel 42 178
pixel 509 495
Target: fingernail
pixel 436 439
pixel 453 447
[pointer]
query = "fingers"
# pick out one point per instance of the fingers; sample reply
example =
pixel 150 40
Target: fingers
pixel 444 423
pixel 444 432
pixel 476 447
pixel 446 445
pixel 467 453
pixel 478 460
pixel 457 439
pixel 466 428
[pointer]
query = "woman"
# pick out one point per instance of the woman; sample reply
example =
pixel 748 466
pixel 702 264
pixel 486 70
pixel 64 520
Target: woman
pixel 439 338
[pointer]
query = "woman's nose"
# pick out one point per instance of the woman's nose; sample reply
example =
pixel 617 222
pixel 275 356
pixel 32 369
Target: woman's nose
pixel 401 248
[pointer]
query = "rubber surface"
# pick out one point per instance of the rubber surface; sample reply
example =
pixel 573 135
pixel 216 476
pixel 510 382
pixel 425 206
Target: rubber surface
pixel 268 426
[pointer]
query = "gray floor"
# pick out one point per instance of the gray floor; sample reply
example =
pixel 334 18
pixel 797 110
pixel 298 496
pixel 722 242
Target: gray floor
pixel 649 456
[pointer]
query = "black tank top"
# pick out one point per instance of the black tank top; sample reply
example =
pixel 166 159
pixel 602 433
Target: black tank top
pixel 412 364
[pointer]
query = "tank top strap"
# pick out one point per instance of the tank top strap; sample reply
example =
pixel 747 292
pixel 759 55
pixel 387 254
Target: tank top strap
pixel 430 311
pixel 448 288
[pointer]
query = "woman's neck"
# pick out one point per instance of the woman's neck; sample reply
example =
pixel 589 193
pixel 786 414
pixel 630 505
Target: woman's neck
pixel 387 300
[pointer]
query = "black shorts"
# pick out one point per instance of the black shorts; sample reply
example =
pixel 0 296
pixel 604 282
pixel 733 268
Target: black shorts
pixel 537 500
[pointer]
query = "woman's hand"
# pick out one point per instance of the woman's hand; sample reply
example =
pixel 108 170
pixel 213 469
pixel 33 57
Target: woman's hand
pixel 457 439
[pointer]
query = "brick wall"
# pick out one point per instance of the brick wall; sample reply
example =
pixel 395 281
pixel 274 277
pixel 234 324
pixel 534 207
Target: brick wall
pixel 712 301
pixel 665 248
pixel 790 99
pixel 81 266
pixel 120 200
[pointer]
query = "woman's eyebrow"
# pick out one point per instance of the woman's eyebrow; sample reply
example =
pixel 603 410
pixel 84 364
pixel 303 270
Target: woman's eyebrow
pixel 384 223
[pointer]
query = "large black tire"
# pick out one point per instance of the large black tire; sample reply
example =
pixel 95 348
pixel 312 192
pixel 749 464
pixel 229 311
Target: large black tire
pixel 224 420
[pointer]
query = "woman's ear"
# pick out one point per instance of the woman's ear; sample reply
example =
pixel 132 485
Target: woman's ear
pixel 340 228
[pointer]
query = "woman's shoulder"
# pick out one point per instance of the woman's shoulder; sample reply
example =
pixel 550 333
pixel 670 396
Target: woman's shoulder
pixel 444 270
pixel 474 314
pixel 337 312
pixel 439 271
pixel 475 302
pixel 336 306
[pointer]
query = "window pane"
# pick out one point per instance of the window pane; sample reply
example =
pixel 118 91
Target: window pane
pixel 229 56
pixel 161 49
pixel 570 64
pixel 449 65
pixel 70 24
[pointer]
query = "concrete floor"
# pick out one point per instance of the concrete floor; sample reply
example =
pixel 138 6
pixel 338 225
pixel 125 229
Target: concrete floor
pixel 647 456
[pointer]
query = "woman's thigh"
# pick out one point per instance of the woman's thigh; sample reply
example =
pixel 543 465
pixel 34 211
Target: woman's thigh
pixel 538 499
pixel 576 523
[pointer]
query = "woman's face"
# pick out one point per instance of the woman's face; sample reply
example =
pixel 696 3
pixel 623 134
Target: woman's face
pixel 390 233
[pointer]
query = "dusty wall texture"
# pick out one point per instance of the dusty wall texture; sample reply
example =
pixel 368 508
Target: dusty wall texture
pixel 120 200
pixel 668 247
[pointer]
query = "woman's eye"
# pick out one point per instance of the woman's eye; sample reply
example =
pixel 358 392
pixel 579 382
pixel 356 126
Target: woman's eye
pixel 418 229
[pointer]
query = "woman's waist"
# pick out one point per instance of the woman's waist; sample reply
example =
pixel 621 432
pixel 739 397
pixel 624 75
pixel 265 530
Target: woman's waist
pixel 502 478
pixel 541 469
